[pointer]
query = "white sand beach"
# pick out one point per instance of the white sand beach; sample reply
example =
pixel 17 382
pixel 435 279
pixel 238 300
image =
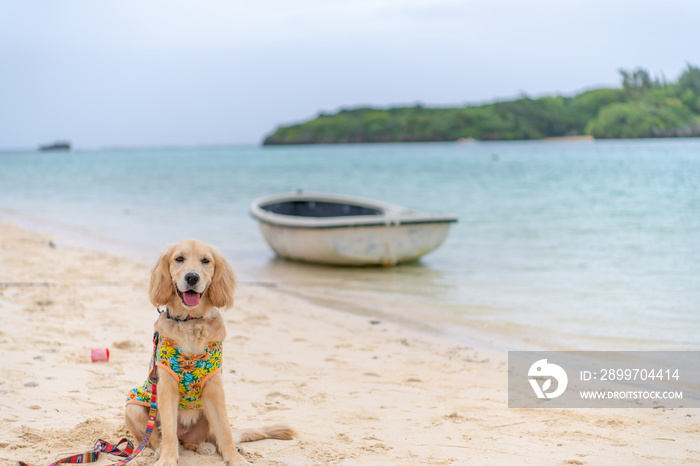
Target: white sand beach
pixel 358 392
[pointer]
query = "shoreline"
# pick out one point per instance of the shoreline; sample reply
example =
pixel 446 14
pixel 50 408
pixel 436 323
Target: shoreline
pixel 358 392
pixel 311 284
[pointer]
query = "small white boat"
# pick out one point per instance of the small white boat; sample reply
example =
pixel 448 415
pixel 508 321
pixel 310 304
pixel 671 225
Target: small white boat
pixel 345 230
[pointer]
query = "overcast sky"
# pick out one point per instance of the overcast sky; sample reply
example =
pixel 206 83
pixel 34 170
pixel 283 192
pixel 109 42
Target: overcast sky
pixel 208 72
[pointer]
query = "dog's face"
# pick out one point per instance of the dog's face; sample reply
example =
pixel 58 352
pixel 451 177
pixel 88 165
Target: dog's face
pixel 192 274
pixel 191 266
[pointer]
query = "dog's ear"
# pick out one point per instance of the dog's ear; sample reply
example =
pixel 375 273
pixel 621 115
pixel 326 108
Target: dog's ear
pixel 161 288
pixel 224 282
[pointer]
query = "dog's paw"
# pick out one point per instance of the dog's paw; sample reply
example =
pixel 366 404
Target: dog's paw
pixel 237 462
pixel 166 462
pixel 235 459
pixel 206 448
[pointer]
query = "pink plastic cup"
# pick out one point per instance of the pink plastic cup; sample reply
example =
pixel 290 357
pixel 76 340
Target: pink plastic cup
pixel 99 354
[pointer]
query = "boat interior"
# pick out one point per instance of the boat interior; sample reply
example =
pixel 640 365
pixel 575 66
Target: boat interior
pixel 319 209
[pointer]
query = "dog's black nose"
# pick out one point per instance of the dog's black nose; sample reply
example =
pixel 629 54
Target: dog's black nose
pixel 192 279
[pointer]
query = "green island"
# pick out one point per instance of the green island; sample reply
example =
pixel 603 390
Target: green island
pixel 641 108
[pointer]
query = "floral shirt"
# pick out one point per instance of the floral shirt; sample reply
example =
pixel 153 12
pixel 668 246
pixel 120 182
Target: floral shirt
pixel 190 370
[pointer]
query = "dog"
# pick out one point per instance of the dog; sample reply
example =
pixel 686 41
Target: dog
pixel 193 281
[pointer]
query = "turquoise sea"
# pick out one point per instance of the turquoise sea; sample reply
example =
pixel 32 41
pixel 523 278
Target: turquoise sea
pixel 587 246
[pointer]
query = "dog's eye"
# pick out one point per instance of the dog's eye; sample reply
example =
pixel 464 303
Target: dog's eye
pixel 180 259
pixel 205 261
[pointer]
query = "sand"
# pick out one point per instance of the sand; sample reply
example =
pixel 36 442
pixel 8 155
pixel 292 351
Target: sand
pixel 358 391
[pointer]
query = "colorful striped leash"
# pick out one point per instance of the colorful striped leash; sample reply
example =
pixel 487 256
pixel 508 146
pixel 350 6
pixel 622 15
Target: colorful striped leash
pixel 105 447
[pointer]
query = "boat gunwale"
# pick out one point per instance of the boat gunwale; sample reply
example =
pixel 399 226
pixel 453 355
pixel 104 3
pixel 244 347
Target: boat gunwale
pixel 391 215
pixel 352 225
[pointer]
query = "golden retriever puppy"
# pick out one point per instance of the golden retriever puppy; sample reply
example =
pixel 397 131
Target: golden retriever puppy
pixel 190 284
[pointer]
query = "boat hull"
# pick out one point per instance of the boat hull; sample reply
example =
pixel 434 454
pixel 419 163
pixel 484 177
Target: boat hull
pixel 344 230
pixel 363 245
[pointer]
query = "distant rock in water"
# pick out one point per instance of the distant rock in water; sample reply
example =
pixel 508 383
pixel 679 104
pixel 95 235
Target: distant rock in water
pixel 58 145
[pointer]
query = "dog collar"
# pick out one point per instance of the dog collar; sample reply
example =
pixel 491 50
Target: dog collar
pixel 184 318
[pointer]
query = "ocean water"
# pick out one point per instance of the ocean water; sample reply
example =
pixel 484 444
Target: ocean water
pixel 558 246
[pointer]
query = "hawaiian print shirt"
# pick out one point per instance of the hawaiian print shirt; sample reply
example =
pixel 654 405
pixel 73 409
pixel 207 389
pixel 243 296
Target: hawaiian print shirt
pixel 190 370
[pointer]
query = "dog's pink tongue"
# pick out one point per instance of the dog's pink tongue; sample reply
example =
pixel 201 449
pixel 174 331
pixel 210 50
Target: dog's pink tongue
pixel 191 298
